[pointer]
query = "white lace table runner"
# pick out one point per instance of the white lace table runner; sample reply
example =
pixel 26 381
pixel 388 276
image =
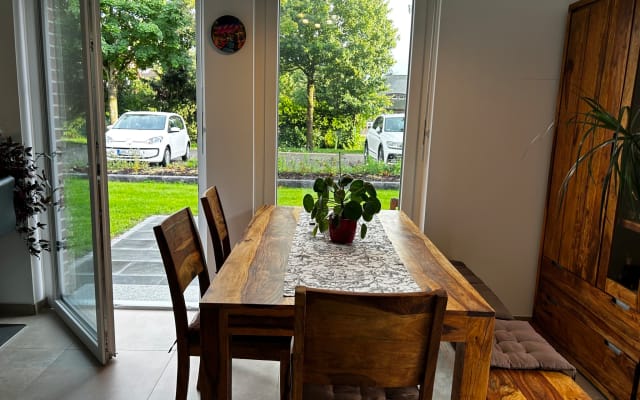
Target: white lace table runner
pixel 368 265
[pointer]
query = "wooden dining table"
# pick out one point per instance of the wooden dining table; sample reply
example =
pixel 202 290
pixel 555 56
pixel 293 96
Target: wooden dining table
pixel 247 298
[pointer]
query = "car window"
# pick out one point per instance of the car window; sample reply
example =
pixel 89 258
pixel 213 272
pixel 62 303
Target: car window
pixel 141 122
pixel 179 123
pixel 377 123
pixel 394 124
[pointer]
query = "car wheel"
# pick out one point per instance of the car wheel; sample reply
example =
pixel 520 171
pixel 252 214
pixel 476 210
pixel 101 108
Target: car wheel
pixel 366 152
pixel 166 159
pixel 185 157
pixel 381 154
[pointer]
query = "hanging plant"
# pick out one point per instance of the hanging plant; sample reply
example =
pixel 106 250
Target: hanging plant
pixel 33 193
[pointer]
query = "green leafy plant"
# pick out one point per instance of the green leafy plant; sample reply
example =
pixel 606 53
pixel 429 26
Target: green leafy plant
pixel 32 193
pixel 624 144
pixel 344 198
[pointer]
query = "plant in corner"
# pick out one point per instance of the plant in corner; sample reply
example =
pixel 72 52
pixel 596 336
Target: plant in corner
pixel 624 146
pixel 339 206
pixel 32 192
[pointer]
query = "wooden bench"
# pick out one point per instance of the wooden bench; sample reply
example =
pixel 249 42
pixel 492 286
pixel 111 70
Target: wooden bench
pixel 533 385
pixel 521 384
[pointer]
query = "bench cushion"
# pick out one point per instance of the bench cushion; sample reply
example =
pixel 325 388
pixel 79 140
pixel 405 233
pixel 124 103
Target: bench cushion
pixel 502 312
pixel 518 346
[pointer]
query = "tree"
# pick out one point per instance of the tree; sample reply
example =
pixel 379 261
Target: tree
pixel 142 34
pixel 342 47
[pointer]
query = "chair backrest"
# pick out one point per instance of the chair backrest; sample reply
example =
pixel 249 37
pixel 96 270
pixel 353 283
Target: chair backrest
pixel 363 339
pixel 183 260
pixel 212 207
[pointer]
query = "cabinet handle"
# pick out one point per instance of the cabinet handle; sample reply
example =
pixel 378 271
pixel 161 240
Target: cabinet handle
pixel 621 304
pixel 616 350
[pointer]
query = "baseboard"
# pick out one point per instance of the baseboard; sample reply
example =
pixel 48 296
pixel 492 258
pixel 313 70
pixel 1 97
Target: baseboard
pixel 13 310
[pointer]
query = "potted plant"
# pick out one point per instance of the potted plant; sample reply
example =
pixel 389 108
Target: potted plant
pixel 32 193
pixel 339 206
pixel 623 143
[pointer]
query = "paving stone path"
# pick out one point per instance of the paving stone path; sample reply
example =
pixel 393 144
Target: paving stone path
pixel 138 275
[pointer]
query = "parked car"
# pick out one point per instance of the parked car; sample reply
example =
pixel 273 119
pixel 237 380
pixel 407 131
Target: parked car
pixel 385 138
pixel 155 137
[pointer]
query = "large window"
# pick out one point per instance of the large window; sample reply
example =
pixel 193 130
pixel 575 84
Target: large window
pixel 343 75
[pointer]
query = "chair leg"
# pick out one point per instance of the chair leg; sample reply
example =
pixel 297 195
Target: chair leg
pixel 285 363
pixel 200 378
pixel 182 383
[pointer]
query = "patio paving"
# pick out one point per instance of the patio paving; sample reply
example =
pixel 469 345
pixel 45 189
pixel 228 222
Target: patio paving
pixel 139 280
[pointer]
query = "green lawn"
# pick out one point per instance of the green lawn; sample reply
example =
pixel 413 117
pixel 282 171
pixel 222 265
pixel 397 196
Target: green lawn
pixel 293 196
pixel 132 202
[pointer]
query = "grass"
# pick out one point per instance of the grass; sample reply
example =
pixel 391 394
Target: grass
pixel 132 202
pixel 293 196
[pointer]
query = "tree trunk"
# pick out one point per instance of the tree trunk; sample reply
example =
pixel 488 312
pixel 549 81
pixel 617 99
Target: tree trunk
pixel 311 92
pixel 112 91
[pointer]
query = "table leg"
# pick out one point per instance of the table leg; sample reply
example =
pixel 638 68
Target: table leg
pixel 473 360
pixel 223 382
pixel 209 355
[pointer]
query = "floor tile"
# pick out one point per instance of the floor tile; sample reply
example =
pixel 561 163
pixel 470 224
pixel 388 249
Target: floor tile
pixel 45 361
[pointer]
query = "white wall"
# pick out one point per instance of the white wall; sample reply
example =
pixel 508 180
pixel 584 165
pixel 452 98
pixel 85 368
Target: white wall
pixel 16 282
pixel 9 105
pixel 497 78
pixel 238 124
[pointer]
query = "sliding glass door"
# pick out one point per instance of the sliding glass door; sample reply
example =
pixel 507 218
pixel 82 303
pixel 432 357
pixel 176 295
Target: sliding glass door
pixel 75 104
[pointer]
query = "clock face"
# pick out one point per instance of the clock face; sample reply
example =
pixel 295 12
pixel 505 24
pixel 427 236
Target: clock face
pixel 228 34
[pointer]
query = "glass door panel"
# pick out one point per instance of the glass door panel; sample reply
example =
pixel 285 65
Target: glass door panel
pixel 83 297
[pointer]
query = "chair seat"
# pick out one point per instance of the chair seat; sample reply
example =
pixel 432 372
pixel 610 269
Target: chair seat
pixel 271 348
pixel 339 392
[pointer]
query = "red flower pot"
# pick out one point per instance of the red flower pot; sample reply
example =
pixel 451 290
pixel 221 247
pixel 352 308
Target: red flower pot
pixel 343 232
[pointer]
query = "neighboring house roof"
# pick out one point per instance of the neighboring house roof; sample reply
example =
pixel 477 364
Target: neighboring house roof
pixel 397 83
pixel 397 92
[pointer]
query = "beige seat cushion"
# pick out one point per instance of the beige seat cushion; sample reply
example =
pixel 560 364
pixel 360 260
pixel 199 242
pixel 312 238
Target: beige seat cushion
pixel 518 346
pixel 329 392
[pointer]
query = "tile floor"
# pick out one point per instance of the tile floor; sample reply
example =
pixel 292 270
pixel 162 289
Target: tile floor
pixel 45 361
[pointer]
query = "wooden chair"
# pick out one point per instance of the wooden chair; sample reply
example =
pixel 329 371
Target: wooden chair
pixel 394 203
pixel 363 345
pixel 183 259
pixel 217 223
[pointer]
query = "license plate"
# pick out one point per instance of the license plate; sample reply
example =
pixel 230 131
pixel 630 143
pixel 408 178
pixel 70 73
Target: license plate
pixel 128 152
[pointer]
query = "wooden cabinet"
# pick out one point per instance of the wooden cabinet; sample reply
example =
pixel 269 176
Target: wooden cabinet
pixel 584 302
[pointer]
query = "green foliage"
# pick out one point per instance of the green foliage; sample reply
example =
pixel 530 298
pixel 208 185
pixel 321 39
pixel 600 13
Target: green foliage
pixel 623 143
pixel 33 194
pixel 348 198
pixel 335 52
pixel 330 167
pixel 75 129
pixel 137 94
pixel 176 92
pixel 142 34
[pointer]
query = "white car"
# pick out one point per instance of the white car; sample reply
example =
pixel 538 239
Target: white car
pixel 155 137
pixel 385 138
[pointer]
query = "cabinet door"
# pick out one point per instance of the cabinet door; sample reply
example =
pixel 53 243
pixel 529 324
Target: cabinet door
pixel 595 64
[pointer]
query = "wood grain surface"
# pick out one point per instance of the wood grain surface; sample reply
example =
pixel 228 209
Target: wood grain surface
pixel 246 297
